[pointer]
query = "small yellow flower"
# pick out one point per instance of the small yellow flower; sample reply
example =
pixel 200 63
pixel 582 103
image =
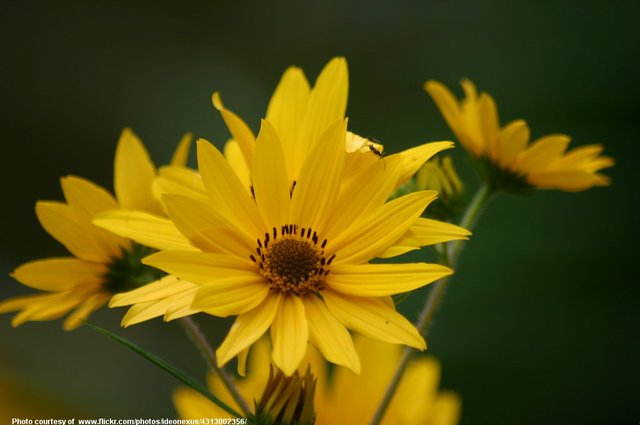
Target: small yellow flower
pixel 342 397
pixel 101 263
pixel 511 163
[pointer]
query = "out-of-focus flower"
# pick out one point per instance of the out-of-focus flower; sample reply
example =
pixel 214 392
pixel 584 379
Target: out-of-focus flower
pixel 342 396
pixel 102 263
pixel 505 156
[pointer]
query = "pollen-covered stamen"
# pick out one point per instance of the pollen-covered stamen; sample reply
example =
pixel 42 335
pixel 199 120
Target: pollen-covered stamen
pixel 292 261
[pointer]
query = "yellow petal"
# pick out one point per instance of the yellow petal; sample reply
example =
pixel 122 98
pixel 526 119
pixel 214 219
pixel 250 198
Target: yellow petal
pixel 289 334
pixel 148 310
pixel 542 153
pixel 59 274
pixel 181 154
pixel 206 227
pixel 513 140
pixel 239 130
pixel 373 318
pixel 133 174
pixel 429 232
pixel 365 193
pixel 162 288
pixel 329 335
pixel 184 181
pixel 317 188
pixel 270 182
pixel 377 280
pixel 144 228
pixel 86 197
pixel 327 104
pixel 80 315
pixel 446 103
pixel 192 405
pixel 231 296
pixel 236 160
pixel 247 329
pixel 489 124
pixel 201 267
pixel 380 229
pixel 72 229
pixel 414 158
pixel 286 111
pixel 226 191
pixel 570 181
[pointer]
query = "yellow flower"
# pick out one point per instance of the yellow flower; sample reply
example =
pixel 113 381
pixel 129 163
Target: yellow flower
pixel 343 397
pixel 511 162
pixel 295 259
pixel 101 263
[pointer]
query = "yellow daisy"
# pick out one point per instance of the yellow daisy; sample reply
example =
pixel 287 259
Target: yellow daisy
pixel 344 397
pixel 510 160
pixel 298 113
pixel 295 259
pixel 101 263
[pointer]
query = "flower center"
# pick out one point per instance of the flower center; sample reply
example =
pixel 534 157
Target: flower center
pixel 292 261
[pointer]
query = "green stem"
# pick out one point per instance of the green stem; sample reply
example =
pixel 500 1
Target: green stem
pixel 450 258
pixel 200 341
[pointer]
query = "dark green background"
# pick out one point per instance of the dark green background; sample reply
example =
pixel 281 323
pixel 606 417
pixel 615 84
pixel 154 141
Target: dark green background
pixel 541 325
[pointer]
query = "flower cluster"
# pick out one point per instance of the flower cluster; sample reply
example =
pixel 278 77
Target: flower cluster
pixel 299 233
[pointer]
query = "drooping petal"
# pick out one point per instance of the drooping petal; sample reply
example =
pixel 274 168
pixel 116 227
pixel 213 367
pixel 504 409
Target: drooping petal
pixel 239 130
pixel 60 274
pixel 88 306
pixel 289 334
pixel 133 174
pixel 247 328
pixel 319 182
pixel 232 295
pixel 329 335
pixel 144 228
pixel 270 181
pixel 377 280
pixel 200 267
pixel 373 318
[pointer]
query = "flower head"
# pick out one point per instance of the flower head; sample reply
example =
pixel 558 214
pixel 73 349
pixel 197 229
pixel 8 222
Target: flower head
pixel 102 263
pixel 505 155
pixel 285 244
pixel 343 397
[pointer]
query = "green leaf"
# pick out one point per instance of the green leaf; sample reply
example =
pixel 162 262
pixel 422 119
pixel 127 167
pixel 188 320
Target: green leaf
pixel 162 364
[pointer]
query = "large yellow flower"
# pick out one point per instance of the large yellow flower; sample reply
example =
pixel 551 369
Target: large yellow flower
pixel 102 263
pixel 343 397
pixel 512 161
pixel 294 259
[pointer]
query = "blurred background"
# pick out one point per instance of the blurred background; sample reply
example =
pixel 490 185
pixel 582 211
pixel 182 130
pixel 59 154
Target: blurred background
pixel 541 324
